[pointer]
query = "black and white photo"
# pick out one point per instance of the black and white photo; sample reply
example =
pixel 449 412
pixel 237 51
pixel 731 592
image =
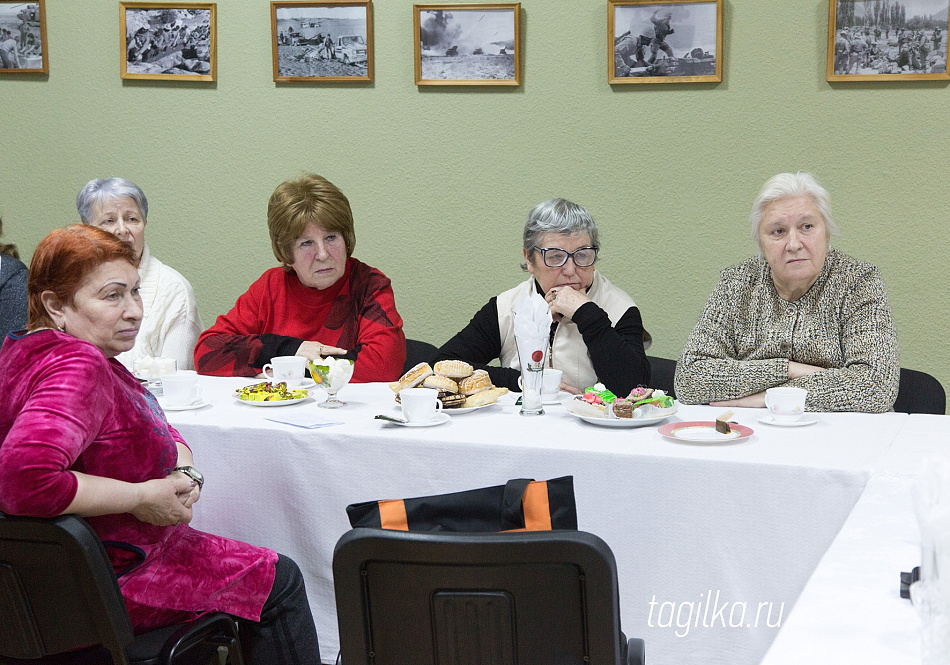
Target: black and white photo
pixel 671 42
pixel 23 38
pixel 163 40
pixel 468 44
pixel 327 41
pixel 887 40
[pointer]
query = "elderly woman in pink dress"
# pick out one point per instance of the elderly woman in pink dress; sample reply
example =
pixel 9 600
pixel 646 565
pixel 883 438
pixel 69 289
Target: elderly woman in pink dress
pixel 79 434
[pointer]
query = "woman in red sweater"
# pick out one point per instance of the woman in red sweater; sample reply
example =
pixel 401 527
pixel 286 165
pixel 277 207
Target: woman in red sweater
pixel 321 302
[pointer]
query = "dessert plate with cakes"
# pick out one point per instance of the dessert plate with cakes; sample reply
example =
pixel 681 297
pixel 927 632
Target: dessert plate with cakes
pixel 705 431
pixel 642 407
pixel 462 388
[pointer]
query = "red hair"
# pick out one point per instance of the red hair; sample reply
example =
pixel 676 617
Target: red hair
pixel 63 260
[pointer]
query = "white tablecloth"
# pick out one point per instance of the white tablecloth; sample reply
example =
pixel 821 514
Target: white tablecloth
pixel 744 523
pixel 851 610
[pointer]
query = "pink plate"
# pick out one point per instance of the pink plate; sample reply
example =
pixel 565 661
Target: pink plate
pixel 704 431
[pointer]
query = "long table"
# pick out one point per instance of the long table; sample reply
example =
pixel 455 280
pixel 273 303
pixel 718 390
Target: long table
pixel 714 542
pixel 850 610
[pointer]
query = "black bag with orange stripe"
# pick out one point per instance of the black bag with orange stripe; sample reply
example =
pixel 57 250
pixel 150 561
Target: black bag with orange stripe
pixel 518 505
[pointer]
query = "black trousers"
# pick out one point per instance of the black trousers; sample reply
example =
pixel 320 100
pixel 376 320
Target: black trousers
pixel 285 634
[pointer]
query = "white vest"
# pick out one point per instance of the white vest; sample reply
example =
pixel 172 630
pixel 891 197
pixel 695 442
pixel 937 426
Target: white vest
pixel 568 352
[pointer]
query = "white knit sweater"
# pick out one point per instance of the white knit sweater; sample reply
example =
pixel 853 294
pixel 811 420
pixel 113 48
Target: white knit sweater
pixel 170 323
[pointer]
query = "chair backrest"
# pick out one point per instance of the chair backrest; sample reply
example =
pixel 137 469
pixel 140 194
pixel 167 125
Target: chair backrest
pixel 920 393
pixel 531 598
pixel 662 371
pixel 418 352
pixel 57 589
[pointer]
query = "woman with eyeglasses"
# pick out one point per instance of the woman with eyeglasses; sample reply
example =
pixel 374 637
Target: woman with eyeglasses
pixel 597 333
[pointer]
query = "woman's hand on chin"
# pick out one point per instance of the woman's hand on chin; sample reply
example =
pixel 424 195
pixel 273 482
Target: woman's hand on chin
pixel 564 301
pixel 160 501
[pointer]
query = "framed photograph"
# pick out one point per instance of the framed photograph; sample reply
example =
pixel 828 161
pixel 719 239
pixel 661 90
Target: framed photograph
pixel 23 38
pixel 168 41
pixel 664 42
pixel 468 44
pixel 887 40
pixel 322 41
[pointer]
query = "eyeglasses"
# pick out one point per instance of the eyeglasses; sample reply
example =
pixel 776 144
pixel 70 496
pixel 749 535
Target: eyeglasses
pixel 555 257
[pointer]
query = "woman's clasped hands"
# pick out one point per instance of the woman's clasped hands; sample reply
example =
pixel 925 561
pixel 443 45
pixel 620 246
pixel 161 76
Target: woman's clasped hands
pixel 167 500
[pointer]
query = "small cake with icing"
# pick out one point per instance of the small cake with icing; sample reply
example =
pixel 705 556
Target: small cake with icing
pixel 622 408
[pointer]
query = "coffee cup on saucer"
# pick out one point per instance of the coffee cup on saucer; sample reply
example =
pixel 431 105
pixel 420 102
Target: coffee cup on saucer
pixel 785 403
pixel 420 405
pixel 289 369
pixel 181 389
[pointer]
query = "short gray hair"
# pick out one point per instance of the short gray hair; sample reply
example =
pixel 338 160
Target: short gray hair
pixel 557 216
pixel 786 185
pixel 104 189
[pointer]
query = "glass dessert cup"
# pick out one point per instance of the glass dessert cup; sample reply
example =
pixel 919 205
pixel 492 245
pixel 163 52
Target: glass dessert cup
pixel 331 374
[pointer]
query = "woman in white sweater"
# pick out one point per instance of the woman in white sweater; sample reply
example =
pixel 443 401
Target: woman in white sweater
pixel 170 324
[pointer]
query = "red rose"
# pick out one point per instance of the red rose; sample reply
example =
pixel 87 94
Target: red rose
pixel 537 356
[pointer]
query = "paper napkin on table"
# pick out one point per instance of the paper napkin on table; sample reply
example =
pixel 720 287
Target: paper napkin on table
pixel 305 420
pixel 532 329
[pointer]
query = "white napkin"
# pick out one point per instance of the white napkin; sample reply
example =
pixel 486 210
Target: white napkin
pixel 532 328
pixel 305 420
pixel 532 335
pixel 931 595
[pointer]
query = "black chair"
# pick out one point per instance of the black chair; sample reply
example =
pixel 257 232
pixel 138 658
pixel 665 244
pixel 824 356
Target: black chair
pixel 920 393
pixel 662 371
pixel 58 593
pixel 532 598
pixel 418 352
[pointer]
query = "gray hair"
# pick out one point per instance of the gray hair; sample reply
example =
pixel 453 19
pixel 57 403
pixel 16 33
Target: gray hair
pixel 104 189
pixel 556 216
pixel 786 185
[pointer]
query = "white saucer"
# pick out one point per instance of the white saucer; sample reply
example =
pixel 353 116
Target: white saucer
pixel 806 419
pixel 194 405
pixel 438 419
pixel 554 399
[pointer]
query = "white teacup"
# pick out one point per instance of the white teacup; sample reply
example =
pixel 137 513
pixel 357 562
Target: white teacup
pixel 550 383
pixel 420 405
pixel 289 369
pixel 786 404
pixel 181 389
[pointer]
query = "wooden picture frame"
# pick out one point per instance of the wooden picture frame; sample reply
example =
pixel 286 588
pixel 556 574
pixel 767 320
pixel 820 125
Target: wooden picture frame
pixel 23 37
pixel 644 36
pixel 299 33
pixel 869 45
pixel 168 41
pixel 468 44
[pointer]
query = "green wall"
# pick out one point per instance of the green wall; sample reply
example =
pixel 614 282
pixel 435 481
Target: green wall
pixel 441 179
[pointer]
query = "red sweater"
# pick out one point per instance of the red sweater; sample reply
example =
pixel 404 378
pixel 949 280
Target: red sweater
pixel 278 313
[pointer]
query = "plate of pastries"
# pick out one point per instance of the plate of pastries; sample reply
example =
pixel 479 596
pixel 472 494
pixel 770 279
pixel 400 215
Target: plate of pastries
pixel 462 388
pixel 599 406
